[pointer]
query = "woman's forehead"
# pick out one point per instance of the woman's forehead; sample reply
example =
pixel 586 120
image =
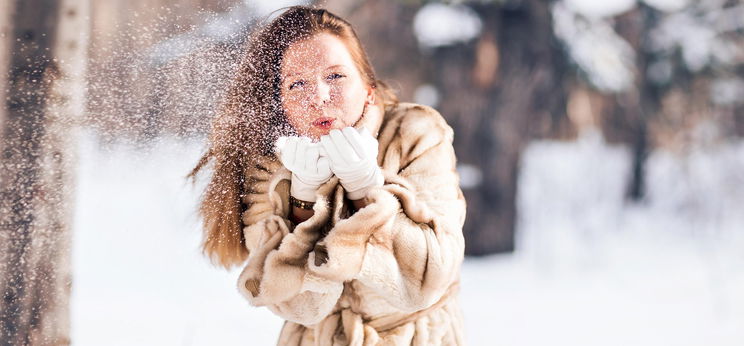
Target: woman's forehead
pixel 317 53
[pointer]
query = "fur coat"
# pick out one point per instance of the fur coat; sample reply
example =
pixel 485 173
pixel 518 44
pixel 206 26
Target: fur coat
pixel 386 274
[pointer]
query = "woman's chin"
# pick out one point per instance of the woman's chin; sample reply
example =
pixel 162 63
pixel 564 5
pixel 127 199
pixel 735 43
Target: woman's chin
pixel 316 133
pixel 320 132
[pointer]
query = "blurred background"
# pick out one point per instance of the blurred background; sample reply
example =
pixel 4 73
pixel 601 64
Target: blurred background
pixel 599 146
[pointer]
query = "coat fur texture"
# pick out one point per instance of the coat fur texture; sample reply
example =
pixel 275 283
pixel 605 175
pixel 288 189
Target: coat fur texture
pixel 384 275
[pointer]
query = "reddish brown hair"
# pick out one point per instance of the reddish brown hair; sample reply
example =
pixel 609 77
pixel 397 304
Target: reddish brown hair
pixel 251 119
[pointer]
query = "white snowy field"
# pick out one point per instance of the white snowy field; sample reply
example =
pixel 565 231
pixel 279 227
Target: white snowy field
pixel 589 269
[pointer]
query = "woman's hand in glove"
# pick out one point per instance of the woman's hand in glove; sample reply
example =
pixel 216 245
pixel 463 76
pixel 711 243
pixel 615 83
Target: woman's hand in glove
pixel 309 169
pixel 353 158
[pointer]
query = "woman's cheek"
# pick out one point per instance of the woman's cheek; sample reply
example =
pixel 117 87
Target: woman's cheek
pixel 294 118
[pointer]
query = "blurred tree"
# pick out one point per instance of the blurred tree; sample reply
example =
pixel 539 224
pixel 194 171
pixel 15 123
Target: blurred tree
pixel 665 73
pixel 501 91
pixel 47 42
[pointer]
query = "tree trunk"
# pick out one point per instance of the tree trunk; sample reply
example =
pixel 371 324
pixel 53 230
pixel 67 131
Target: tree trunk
pixel 631 112
pixel 45 100
pixel 498 93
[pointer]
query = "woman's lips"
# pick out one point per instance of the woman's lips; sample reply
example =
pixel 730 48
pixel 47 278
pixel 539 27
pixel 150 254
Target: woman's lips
pixel 324 123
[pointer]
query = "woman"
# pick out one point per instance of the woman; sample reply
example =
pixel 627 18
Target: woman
pixel 350 225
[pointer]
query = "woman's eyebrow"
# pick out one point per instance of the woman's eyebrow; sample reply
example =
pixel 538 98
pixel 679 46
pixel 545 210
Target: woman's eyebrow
pixel 290 75
pixel 335 66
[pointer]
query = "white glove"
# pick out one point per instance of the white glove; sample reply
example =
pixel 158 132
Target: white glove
pixel 353 157
pixel 309 169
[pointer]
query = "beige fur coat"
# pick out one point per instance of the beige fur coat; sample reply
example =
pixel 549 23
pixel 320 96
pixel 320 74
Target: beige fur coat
pixel 386 274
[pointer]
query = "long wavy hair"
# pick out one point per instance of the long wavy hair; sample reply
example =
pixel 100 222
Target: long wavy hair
pixel 251 118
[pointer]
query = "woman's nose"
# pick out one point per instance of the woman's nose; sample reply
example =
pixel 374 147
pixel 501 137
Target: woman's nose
pixel 322 93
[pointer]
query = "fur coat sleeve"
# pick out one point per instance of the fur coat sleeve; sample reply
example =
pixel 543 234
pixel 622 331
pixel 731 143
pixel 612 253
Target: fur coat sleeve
pixel 275 274
pixel 406 244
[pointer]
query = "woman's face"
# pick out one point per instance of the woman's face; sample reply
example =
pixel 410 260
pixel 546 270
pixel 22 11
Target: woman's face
pixel 321 87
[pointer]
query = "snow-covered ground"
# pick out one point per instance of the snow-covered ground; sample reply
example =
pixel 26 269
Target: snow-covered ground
pixel 589 269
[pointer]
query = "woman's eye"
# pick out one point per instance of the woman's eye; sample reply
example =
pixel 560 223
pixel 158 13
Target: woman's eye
pixel 298 83
pixel 335 76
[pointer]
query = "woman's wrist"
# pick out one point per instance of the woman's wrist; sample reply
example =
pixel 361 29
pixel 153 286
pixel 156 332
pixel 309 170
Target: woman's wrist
pixel 302 204
pixel 301 210
pixel 360 203
pixel 298 215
